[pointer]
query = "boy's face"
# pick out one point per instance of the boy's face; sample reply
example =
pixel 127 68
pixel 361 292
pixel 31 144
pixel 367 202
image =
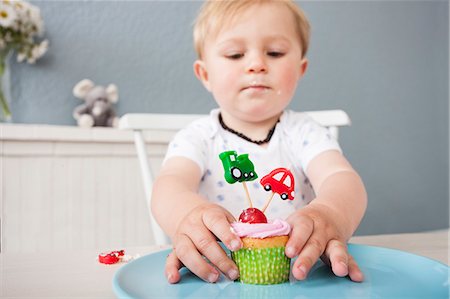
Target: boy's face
pixel 253 65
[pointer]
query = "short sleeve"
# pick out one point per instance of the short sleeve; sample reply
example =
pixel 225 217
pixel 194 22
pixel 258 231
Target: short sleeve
pixel 191 142
pixel 316 140
pixel 311 138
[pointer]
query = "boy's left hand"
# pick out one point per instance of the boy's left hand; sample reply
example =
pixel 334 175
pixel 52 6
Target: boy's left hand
pixel 315 233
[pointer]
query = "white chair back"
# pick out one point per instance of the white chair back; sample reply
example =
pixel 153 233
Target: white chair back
pixel 139 123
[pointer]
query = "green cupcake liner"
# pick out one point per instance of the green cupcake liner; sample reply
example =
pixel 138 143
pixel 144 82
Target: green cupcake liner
pixel 262 266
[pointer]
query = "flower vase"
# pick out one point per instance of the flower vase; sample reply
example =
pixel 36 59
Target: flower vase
pixel 5 88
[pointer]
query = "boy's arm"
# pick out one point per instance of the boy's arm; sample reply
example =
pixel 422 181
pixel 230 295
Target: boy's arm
pixel 324 226
pixel 339 187
pixel 175 193
pixel 192 223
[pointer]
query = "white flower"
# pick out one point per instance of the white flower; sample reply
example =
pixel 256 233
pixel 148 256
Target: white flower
pixel 21 56
pixel 19 4
pixel 38 51
pixel 36 19
pixel 20 24
pixel 7 15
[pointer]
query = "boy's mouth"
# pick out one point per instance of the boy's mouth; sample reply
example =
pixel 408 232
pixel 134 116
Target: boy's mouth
pixel 256 87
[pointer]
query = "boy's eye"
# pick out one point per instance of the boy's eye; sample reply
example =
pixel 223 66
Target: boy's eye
pixel 235 56
pixel 275 54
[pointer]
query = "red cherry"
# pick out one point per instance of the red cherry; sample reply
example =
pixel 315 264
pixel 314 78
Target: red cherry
pixel 252 215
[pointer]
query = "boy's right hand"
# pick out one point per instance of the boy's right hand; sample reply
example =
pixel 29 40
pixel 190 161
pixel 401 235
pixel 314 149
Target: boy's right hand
pixel 196 237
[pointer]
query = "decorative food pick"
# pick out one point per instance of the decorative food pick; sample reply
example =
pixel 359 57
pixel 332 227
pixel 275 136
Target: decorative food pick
pixel 238 169
pixel 280 181
pixel 241 169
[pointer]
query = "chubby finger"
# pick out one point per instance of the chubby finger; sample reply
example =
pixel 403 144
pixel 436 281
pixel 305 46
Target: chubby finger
pixel 219 225
pixel 354 272
pixel 302 228
pixel 208 246
pixel 309 255
pixel 192 259
pixel 173 265
pixel 338 257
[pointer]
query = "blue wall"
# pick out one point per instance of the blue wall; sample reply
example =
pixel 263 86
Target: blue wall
pixel 385 63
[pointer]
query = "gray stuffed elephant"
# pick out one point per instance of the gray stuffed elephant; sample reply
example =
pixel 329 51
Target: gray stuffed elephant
pixel 97 110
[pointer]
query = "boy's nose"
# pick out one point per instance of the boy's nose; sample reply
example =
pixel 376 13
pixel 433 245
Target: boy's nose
pixel 257 64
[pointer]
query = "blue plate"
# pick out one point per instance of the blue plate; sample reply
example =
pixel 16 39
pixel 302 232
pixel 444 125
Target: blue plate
pixel 388 274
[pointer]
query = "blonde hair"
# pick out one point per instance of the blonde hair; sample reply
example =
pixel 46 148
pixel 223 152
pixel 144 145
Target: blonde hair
pixel 216 14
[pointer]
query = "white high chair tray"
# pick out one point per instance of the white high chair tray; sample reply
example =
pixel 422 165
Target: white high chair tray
pixel 388 274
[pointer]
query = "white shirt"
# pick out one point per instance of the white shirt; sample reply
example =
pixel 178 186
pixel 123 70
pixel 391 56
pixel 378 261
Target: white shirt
pixel 296 141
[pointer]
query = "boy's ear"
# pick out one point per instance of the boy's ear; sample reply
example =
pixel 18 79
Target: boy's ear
pixel 201 73
pixel 303 67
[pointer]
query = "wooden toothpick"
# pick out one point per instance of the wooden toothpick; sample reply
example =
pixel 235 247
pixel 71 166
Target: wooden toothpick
pixel 248 195
pixel 268 201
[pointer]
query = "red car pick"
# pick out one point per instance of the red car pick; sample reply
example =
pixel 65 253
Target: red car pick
pixel 280 181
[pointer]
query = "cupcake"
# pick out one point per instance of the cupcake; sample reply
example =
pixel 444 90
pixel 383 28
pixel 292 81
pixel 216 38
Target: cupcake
pixel 262 260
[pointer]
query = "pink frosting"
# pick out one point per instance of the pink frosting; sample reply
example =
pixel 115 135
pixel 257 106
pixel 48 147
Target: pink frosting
pixel 276 227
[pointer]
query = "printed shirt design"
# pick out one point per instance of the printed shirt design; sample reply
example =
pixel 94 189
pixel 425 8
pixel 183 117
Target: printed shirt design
pixel 296 141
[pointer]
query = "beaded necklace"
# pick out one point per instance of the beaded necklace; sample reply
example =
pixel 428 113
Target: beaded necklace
pixel 258 142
